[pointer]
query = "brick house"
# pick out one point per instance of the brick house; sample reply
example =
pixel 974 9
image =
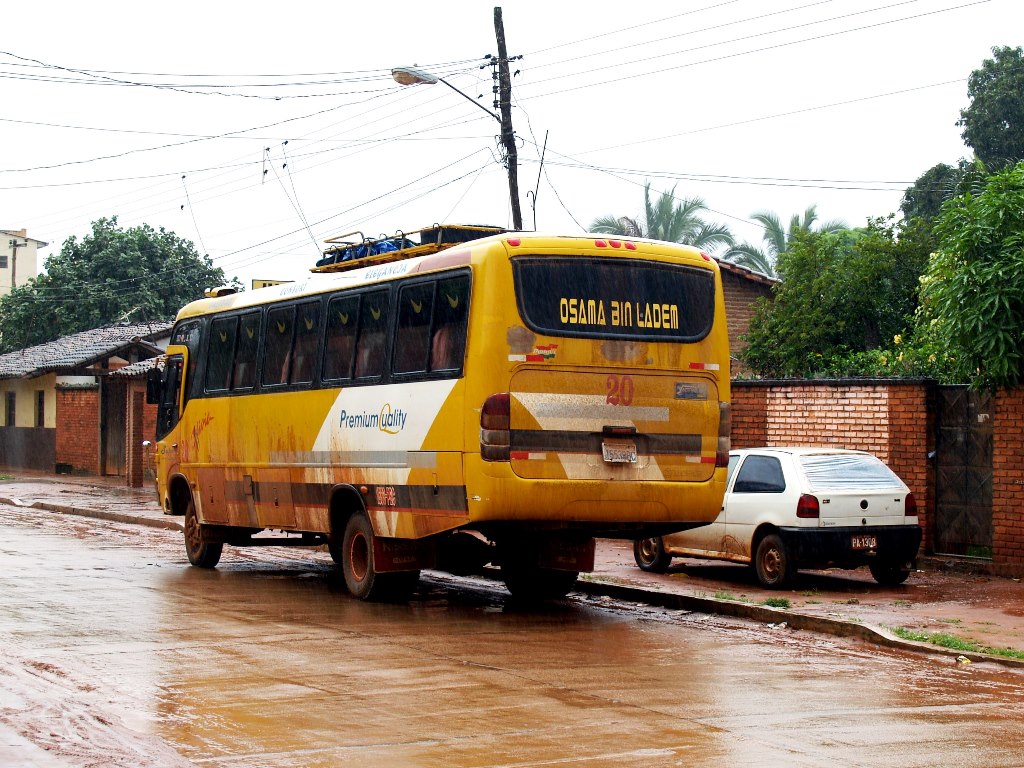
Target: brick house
pixel 62 411
pixel 742 288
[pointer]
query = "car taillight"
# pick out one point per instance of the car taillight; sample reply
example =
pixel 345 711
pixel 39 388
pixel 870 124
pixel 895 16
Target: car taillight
pixel 808 507
pixel 724 435
pixel 910 506
pixel 495 428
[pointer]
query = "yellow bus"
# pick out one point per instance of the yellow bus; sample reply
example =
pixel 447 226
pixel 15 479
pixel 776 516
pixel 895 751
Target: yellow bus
pixel 452 398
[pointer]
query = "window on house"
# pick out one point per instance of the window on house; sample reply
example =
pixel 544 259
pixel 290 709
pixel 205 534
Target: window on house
pixel 11 409
pixel 40 408
pixel 3 261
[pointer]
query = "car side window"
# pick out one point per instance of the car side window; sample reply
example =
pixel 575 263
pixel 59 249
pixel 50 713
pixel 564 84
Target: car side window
pixel 760 474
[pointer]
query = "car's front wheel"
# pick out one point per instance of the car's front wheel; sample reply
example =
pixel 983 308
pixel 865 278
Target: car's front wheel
pixel 773 562
pixel 651 556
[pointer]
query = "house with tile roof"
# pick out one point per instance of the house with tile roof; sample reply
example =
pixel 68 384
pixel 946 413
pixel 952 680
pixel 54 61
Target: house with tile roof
pixel 742 288
pixel 60 408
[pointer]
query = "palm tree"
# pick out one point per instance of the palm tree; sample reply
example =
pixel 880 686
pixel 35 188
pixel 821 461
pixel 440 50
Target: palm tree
pixel 675 221
pixel 776 239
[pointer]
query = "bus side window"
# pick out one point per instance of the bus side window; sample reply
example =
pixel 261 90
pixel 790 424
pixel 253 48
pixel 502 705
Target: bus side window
pixel 373 324
pixel 220 354
pixel 307 337
pixel 244 375
pixel 413 333
pixel 448 342
pixel 277 347
pixel 342 312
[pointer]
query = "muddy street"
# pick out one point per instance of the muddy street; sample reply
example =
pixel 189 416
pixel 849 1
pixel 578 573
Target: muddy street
pixel 116 652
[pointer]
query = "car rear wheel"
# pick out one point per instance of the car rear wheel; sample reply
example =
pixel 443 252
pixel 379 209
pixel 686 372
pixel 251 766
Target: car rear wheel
pixel 773 563
pixel 650 555
pixel 888 574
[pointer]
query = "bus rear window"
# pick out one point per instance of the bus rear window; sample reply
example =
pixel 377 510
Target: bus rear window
pixel 614 298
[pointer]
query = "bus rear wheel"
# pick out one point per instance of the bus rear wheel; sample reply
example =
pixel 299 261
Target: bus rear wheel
pixel 529 582
pixel 361 577
pixel 201 553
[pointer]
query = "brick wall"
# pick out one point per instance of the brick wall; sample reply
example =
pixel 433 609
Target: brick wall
pixel 890 419
pixel 749 416
pixel 78 428
pixel 1008 483
pixel 911 442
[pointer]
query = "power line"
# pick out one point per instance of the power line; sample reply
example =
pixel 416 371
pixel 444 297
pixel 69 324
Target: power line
pixel 725 57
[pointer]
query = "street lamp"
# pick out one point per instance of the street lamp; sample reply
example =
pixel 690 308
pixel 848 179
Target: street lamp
pixel 413 76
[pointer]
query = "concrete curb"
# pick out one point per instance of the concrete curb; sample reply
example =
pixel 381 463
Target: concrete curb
pixel 764 614
pixel 98 514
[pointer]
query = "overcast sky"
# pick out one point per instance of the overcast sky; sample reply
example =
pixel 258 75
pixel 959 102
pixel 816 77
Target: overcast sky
pixel 749 104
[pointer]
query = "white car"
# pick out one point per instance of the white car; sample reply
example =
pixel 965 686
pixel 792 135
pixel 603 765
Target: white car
pixel 790 508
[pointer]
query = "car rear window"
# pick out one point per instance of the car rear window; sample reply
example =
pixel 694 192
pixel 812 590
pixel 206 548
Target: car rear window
pixel 614 298
pixel 842 472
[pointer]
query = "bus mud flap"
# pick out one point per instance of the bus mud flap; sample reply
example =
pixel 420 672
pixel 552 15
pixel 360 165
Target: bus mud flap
pixel 402 554
pixel 562 553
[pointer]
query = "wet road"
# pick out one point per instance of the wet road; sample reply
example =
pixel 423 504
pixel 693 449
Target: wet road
pixel 115 652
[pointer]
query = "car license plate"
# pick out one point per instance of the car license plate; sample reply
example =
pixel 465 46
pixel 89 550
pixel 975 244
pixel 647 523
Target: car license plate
pixel 619 451
pixel 864 542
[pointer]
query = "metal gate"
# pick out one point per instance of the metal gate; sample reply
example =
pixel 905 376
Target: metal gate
pixel 963 472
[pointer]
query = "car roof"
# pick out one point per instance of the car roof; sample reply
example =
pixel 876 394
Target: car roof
pixel 796 450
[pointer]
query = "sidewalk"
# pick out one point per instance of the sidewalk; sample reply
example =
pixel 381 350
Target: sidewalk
pixel 941 598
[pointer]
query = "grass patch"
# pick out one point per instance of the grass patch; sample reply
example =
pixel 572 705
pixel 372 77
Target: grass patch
pixel 776 602
pixel 950 621
pixel 954 643
pixel 901 603
pixel 720 595
pixel 6 477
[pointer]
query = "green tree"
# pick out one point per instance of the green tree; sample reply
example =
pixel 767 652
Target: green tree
pixel 776 239
pixel 993 125
pixel 972 295
pixel 112 274
pixel 839 297
pixel 932 188
pixel 938 184
pixel 668 219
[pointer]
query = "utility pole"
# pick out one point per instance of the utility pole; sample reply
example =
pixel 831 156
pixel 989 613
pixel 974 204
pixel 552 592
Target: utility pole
pixel 15 245
pixel 508 137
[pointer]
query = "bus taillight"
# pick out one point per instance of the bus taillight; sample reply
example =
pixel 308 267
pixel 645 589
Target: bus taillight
pixel 724 434
pixel 495 428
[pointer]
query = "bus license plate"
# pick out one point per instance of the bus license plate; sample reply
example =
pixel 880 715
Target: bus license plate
pixel 619 451
pixel 863 542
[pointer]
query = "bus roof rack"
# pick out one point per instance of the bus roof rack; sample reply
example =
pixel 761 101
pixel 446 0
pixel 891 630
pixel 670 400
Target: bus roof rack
pixel 354 250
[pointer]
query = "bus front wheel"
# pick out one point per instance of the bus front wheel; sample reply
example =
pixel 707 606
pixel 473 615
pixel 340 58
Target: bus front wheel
pixel 361 577
pixel 201 553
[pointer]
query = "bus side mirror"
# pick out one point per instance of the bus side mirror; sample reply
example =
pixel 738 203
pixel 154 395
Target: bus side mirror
pixel 154 380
